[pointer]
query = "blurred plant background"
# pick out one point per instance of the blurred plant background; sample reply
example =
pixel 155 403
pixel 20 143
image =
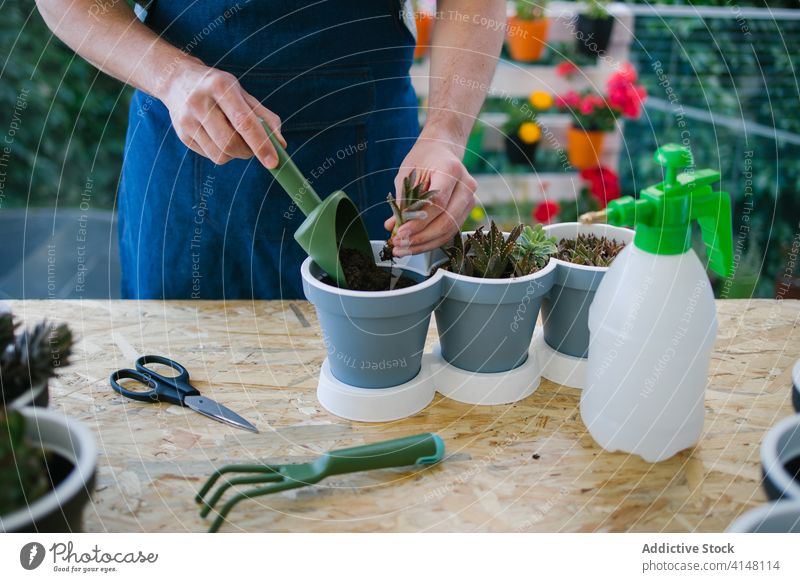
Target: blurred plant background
pixel 72 127
pixel 738 88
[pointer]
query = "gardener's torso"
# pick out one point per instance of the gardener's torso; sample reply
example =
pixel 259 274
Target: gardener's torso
pixel 336 72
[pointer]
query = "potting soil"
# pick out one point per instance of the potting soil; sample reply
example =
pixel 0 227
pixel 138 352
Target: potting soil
pixel 363 274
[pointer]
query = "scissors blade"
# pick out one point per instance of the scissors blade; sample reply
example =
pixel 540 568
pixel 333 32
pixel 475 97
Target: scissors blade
pixel 215 410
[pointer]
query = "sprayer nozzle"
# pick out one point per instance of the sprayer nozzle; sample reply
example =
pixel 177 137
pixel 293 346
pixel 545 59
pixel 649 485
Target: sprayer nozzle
pixel 593 217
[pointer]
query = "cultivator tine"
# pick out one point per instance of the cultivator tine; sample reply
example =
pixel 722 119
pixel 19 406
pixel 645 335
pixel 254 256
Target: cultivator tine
pixel 249 494
pixel 267 477
pixel 231 469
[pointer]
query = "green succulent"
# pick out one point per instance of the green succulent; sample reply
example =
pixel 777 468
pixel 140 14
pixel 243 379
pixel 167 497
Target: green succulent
pixel 490 255
pixel 589 250
pixel 533 250
pixel 416 196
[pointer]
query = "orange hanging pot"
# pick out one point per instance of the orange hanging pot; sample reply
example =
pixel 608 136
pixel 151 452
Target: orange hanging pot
pixel 526 38
pixel 584 148
pixel 424 22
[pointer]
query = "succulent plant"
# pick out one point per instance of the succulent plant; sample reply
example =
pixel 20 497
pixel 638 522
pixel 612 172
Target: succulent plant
pixel 534 249
pixel 26 360
pixel 490 255
pixel 416 196
pixel 589 250
pixel 32 357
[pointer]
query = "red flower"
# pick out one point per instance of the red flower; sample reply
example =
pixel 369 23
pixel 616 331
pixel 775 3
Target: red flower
pixel 571 100
pixel 625 74
pixel 546 211
pixel 624 94
pixel 566 68
pixel 603 184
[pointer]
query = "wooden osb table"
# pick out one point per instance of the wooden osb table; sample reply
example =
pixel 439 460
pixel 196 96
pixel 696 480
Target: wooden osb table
pixel 530 466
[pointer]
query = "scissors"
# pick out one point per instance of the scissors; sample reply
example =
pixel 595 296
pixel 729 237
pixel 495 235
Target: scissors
pixel 174 390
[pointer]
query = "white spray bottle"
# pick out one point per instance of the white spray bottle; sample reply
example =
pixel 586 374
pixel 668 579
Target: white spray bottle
pixel 653 320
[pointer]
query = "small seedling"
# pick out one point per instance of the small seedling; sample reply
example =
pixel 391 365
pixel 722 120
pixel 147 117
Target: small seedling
pixel 416 196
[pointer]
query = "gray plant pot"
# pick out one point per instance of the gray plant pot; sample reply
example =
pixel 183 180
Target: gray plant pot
pixel 565 309
pixel 780 446
pixel 796 386
pixel 486 325
pixel 780 517
pixel 373 339
pixel 61 509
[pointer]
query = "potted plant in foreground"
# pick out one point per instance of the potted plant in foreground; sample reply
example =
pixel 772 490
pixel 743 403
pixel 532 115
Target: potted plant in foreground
pixel 491 296
pixel 584 254
pixel 47 461
pixel 593 28
pixel 595 115
pixel 374 331
pixel 526 33
pixel 583 257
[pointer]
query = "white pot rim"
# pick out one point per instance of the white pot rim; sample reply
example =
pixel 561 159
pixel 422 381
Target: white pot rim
pixel 625 233
pixel 550 266
pixel 772 464
pixel 85 463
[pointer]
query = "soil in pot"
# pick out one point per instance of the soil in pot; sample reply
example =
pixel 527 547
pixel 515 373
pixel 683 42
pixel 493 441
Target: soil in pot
pixel 589 250
pixel 364 275
pixel 793 468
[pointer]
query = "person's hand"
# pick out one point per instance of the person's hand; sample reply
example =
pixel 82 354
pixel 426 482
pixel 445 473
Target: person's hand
pixel 215 117
pixel 451 204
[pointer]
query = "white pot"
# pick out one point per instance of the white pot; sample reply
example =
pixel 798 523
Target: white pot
pixel 60 509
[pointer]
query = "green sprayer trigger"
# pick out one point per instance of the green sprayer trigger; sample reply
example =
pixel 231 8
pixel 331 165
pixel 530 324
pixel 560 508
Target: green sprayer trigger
pixel 663 213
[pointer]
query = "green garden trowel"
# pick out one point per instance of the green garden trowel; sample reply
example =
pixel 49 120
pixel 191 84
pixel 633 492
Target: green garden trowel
pixel 330 224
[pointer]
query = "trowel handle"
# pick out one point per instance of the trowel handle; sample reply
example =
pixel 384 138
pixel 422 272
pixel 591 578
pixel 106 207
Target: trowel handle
pixel 288 176
pixel 421 449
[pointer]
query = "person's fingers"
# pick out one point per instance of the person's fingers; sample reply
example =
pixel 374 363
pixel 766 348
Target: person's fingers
pixel 209 148
pixel 245 122
pixel 403 251
pixel 444 181
pixel 270 118
pixel 224 135
pixel 389 224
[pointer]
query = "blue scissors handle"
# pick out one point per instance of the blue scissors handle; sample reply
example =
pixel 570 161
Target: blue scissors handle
pixel 161 388
pixel 181 379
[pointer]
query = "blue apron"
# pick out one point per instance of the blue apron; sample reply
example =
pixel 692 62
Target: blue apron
pixel 336 72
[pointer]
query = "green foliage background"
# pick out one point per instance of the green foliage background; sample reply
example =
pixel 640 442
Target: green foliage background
pixel 72 128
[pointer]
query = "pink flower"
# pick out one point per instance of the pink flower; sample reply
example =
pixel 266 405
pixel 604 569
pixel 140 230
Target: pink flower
pixel 571 100
pixel 623 93
pixel 566 68
pixel 625 74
